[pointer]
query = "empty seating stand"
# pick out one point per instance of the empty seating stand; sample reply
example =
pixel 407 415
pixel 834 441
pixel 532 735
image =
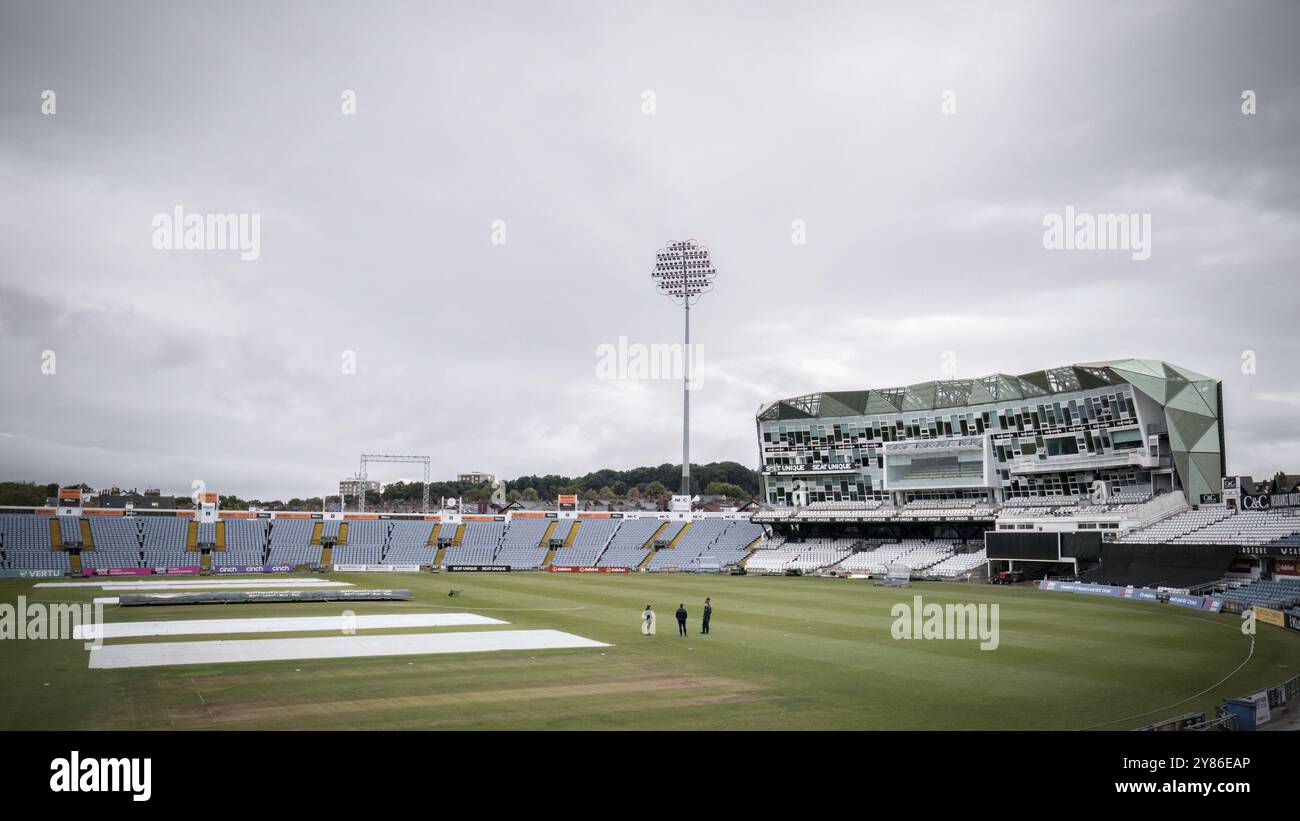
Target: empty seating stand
pixel 628 547
pixel 1247 528
pixel 1276 594
pixel 25 544
pixel 1176 527
pixel 778 555
pixel 686 552
pixel 958 565
pixel 722 542
pixel 366 540
pixel 521 547
pixel 408 543
pixel 917 554
pixel 70 529
pixel 733 545
pixel 368 532
pixel 117 543
pixel 291 542
pixel 245 543
pixel 560 533
pixel 162 538
pixel 478 544
pixel 592 538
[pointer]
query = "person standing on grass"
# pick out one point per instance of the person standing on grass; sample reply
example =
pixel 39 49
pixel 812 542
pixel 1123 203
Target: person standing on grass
pixel 648 622
pixel 681 619
pixel 708 614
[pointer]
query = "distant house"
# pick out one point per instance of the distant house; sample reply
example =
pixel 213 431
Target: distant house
pixel 1286 483
pixel 138 501
pixel 715 503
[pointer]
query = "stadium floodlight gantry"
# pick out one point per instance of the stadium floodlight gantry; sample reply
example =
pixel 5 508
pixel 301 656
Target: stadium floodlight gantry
pixel 1134 426
pixel 683 272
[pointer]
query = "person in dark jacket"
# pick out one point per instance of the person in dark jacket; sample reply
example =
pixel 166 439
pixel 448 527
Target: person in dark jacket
pixel 681 619
pixel 708 614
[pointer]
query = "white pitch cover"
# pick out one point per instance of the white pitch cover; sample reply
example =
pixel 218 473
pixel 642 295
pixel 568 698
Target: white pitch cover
pixel 193 627
pixel 159 654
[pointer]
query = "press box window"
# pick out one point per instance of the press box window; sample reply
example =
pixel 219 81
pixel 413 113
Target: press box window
pixel 1126 439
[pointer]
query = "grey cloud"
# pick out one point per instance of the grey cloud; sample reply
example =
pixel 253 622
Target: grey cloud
pixel 924 231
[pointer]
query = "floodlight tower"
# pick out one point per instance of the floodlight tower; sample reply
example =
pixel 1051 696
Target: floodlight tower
pixel 682 273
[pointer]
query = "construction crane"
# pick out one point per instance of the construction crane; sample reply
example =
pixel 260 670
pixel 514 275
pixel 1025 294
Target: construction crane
pixel 367 458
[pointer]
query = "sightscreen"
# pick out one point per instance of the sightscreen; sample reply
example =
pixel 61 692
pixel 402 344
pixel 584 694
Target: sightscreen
pixel 1040 547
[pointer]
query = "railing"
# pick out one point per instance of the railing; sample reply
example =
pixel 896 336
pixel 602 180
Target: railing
pixel 1287 692
pixel 1159 508
pixel 1226 722
pixel 945 443
pixel 1187 721
pixel 1135 458
pixel 1208 587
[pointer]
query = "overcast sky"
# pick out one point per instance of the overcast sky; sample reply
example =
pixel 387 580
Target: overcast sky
pixel 924 229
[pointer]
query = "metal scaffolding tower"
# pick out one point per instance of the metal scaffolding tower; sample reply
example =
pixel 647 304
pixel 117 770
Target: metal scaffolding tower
pixel 367 458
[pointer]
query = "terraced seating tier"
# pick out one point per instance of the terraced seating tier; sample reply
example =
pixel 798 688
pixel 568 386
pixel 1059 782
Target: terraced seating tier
pixel 958 564
pixel 1276 594
pixel 521 544
pixel 590 541
pixel 777 555
pixel 916 554
pixel 627 548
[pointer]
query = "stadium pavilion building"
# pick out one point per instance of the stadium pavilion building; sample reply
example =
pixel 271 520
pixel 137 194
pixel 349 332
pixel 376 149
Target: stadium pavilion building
pixel 1140 426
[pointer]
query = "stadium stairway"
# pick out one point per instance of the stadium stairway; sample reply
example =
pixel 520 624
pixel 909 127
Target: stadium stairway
pixel 750 548
pixel 220 534
pixel 650 542
pixel 316 531
pixel 437 559
pixel 546 540
pixel 460 535
pixel 74 562
pixel 87 539
pixel 343 533
pixel 192 536
pixel 433 535
pixel 326 555
pixel 205 561
pixel 546 537
pixel 679 535
pixel 56 536
pixel 672 544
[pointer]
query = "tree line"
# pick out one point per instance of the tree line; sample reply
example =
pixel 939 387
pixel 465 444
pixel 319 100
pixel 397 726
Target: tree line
pixel 730 479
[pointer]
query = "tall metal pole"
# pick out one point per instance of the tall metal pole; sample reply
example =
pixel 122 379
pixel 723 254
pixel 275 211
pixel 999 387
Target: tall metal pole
pixel 686 406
